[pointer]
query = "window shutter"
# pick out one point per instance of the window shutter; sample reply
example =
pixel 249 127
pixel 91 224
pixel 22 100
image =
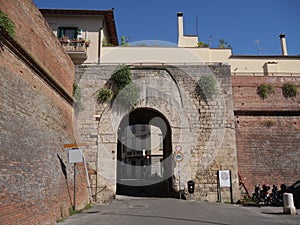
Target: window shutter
pixel 60 32
pixel 75 32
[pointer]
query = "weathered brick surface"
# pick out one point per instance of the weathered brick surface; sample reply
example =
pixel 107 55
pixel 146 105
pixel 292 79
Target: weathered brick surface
pixel 34 34
pixel 267 143
pixel 246 98
pixel 35 123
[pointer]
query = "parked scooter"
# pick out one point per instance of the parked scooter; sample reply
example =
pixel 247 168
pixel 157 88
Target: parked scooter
pixel 283 189
pixel 256 195
pixel 262 196
pixel 274 196
pixel 265 196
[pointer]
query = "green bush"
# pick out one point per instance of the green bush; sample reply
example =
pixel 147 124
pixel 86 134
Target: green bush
pixel 122 77
pixel 77 96
pixel 128 96
pixel 104 95
pixel 7 24
pixel 264 90
pixel 289 90
pixel 207 86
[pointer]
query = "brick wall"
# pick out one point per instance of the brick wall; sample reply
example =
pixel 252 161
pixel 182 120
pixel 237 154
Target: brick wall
pixel 245 97
pixel 36 37
pixel 35 123
pixel 267 131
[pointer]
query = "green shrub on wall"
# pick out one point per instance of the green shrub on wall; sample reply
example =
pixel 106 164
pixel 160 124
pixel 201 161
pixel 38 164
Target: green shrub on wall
pixel 128 96
pixel 77 96
pixel 126 93
pixel 104 95
pixel 289 90
pixel 122 77
pixel 269 123
pixel 207 86
pixel 264 90
pixel 7 24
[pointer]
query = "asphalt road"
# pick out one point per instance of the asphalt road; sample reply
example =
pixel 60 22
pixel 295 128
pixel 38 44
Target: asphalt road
pixel 167 211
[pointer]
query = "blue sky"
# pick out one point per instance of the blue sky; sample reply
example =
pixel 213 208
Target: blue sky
pixel 240 23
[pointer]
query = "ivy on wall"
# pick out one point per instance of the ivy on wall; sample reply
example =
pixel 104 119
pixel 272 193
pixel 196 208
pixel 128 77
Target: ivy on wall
pixel 207 86
pixel 126 93
pixel 289 90
pixel 7 24
pixel 104 95
pixel 264 90
pixel 77 96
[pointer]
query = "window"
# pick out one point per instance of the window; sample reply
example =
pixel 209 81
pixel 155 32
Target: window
pixel 67 32
pixel 161 142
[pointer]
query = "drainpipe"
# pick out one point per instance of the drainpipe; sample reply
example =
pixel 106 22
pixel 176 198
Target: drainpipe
pixel 283 44
pixel 97 156
pixel 99 43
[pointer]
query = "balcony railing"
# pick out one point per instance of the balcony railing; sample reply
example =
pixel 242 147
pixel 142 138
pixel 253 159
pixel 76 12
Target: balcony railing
pixel 76 49
pixel 74 45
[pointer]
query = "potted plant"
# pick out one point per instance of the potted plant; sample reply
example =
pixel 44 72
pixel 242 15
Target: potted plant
pixel 87 43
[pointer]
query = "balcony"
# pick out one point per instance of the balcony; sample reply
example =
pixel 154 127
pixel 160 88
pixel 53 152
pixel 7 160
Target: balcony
pixel 76 49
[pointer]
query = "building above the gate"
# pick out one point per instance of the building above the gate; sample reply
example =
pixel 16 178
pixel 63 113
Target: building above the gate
pixel 90 36
pixel 82 32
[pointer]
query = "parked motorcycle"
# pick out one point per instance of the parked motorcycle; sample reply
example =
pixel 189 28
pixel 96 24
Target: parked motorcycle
pixel 262 196
pixel 256 194
pixel 274 196
pixel 265 196
pixel 283 189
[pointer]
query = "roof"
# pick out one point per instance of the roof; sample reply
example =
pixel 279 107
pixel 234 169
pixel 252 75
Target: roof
pixel 108 16
pixel 266 56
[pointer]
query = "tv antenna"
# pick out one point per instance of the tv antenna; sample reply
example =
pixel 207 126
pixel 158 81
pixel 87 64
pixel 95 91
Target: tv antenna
pixel 197 26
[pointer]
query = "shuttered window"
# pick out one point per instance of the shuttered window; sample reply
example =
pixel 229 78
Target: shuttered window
pixel 67 32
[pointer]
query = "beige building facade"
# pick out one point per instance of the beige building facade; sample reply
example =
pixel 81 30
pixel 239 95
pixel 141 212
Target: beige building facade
pixel 98 30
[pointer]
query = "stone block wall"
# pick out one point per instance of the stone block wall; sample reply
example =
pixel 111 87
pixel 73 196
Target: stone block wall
pixel 204 129
pixel 267 132
pixel 36 182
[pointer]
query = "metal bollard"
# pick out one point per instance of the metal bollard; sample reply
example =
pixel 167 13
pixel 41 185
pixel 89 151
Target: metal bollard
pixel 288 204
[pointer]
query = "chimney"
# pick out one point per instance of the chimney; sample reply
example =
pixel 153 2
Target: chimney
pixel 283 44
pixel 180 24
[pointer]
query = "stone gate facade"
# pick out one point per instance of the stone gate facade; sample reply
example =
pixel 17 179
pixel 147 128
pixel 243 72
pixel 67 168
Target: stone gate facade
pixel 204 127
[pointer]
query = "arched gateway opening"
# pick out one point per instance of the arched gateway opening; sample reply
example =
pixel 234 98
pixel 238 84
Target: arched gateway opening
pixel 144 165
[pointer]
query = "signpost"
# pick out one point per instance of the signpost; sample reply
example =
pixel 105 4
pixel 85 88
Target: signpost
pixel 178 148
pixel 178 156
pixel 224 177
pixel 74 156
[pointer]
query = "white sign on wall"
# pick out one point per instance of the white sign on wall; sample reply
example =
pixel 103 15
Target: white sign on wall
pixel 75 155
pixel 224 178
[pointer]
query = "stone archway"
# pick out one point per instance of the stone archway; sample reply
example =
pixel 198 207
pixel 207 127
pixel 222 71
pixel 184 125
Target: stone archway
pixel 203 128
pixel 144 154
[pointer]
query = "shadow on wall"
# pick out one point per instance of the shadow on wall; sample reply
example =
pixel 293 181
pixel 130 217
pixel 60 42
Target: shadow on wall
pixel 64 170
